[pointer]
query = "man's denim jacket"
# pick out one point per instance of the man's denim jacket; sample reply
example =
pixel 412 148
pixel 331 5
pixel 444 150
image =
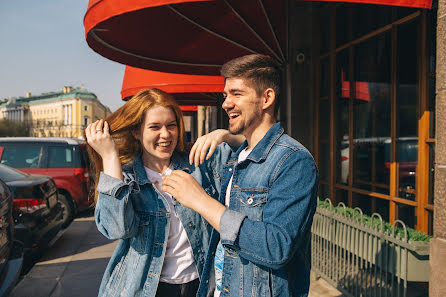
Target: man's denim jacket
pixel 134 212
pixel 266 229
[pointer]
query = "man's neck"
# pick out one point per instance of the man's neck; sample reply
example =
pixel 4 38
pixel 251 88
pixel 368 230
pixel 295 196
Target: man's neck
pixel 253 137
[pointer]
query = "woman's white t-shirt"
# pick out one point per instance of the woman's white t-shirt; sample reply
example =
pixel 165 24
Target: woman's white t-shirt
pixel 179 265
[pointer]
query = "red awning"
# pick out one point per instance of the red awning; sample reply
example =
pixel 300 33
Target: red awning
pixel 187 89
pixel 193 37
pixel 136 79
pixel 407 3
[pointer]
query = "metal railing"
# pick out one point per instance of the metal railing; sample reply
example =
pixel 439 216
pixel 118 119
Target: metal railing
pixel 360 259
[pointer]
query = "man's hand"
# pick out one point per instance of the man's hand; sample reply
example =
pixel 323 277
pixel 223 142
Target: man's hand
pixel 209 142
pixel 189 193
pixel 184 188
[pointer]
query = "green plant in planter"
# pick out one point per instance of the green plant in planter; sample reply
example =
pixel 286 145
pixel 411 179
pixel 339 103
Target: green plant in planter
pixel 412 234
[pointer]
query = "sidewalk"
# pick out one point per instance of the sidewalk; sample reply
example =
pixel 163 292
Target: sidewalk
pixel 74 265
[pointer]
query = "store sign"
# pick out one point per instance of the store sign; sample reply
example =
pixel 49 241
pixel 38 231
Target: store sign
pixel 407 3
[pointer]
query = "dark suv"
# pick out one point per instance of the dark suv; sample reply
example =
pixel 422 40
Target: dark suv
pixel 64 159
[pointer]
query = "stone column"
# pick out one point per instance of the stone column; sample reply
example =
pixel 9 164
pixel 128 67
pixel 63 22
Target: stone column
pixel 201 116
pixel 437 280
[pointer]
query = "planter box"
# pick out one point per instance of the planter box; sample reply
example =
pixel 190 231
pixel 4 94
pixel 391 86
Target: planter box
pixel 386 253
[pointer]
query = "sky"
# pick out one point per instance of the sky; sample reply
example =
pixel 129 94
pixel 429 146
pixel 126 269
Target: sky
pixel 43 49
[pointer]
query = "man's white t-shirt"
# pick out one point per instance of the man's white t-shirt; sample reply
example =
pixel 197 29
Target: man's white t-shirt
pixel 179 265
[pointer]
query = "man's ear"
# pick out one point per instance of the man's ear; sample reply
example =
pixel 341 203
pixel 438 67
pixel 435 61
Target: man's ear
pixel 269 97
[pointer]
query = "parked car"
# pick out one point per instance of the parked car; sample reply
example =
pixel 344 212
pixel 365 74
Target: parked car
pixel 11 251
pixel 38 217
pixel 64 159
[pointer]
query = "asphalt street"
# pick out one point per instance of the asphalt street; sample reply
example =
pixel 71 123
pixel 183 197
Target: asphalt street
pixel 74 264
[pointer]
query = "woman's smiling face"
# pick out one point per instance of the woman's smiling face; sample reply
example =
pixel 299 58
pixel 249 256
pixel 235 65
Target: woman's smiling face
pixel 158 135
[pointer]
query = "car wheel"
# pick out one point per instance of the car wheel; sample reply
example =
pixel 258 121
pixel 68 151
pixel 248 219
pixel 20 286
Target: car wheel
pixel 68 210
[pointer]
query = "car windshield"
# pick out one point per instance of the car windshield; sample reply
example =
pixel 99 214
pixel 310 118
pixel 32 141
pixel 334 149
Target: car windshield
pixel 8 174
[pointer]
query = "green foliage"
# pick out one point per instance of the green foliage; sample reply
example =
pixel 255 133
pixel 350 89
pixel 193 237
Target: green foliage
pixel 412 234
pixel 12 128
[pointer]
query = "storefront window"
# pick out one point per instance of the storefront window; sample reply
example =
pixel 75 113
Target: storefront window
pixel 378 110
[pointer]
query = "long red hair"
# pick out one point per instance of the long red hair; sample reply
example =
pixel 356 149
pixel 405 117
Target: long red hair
pixel 128 118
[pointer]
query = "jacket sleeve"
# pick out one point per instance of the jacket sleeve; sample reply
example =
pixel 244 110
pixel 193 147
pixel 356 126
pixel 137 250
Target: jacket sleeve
pixel 114 214
pixel 287 215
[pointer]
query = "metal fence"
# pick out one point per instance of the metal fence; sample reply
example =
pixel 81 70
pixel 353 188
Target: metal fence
pixel 360 259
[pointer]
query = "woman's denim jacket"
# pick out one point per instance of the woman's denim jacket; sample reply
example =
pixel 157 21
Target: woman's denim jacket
pixel 266 229
pixel 134 212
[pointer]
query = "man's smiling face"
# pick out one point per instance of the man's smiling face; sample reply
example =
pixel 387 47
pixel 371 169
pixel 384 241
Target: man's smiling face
pixel 243 106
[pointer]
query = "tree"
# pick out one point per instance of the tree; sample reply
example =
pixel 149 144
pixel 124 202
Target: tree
pixel 12 128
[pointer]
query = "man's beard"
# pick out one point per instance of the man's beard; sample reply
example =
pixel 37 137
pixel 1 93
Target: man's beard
pixel 237 129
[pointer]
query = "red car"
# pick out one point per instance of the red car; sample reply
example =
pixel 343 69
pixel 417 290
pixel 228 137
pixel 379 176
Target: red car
pixel 64 159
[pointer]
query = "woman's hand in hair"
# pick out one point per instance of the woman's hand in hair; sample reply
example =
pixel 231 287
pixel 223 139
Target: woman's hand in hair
pixel 99 138
pixel 205 145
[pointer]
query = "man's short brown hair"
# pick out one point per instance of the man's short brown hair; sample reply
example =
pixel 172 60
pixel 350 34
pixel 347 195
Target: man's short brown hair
pixel 260 71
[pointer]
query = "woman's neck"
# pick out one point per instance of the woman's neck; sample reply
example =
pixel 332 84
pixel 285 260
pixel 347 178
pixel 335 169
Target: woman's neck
pixel 155 165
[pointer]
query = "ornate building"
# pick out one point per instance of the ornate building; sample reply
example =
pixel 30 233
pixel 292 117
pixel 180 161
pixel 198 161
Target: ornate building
pixel 55 114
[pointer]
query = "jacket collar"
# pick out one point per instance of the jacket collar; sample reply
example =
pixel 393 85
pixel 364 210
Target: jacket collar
pixel 263 147
pixel 178 161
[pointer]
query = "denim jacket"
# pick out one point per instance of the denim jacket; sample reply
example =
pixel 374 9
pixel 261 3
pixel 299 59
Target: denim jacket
pixel 134 212
pixel 266 229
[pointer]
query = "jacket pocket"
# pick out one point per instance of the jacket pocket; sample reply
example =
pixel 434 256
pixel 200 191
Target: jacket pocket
pixel 141 242
pixel 252 203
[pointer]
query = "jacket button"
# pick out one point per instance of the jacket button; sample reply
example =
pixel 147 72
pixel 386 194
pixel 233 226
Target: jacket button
pixel 207 281
pixel 230 169
pixel 250 200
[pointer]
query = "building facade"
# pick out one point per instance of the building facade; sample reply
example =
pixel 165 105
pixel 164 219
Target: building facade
pixel 366 95
pixel 56 114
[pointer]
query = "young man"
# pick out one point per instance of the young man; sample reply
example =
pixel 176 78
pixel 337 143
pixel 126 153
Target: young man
pixel 268 194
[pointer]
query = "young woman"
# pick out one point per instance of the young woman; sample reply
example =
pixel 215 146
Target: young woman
pixel 162 244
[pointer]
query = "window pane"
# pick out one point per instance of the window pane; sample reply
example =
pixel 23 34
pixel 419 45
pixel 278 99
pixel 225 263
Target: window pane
pixel 368 18
pixel 60 157
pixel 371 136
pixel 21 157
pixel 342 116
pixel 364 202
pixel 382 208
pixel 324 119
pixel 407 102
pixel 324 191
pixel 325 30
pixel 342 25
pixel 325 78
pixel 324 161
pixel 402 12
pixel 406 213
pixel 342 196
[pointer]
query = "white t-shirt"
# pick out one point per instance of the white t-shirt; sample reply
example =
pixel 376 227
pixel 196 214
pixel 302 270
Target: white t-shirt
pixel 219 255
pixel 179 265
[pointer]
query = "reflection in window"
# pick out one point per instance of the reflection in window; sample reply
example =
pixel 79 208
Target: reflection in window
pixel 372 115
pixel 342 117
